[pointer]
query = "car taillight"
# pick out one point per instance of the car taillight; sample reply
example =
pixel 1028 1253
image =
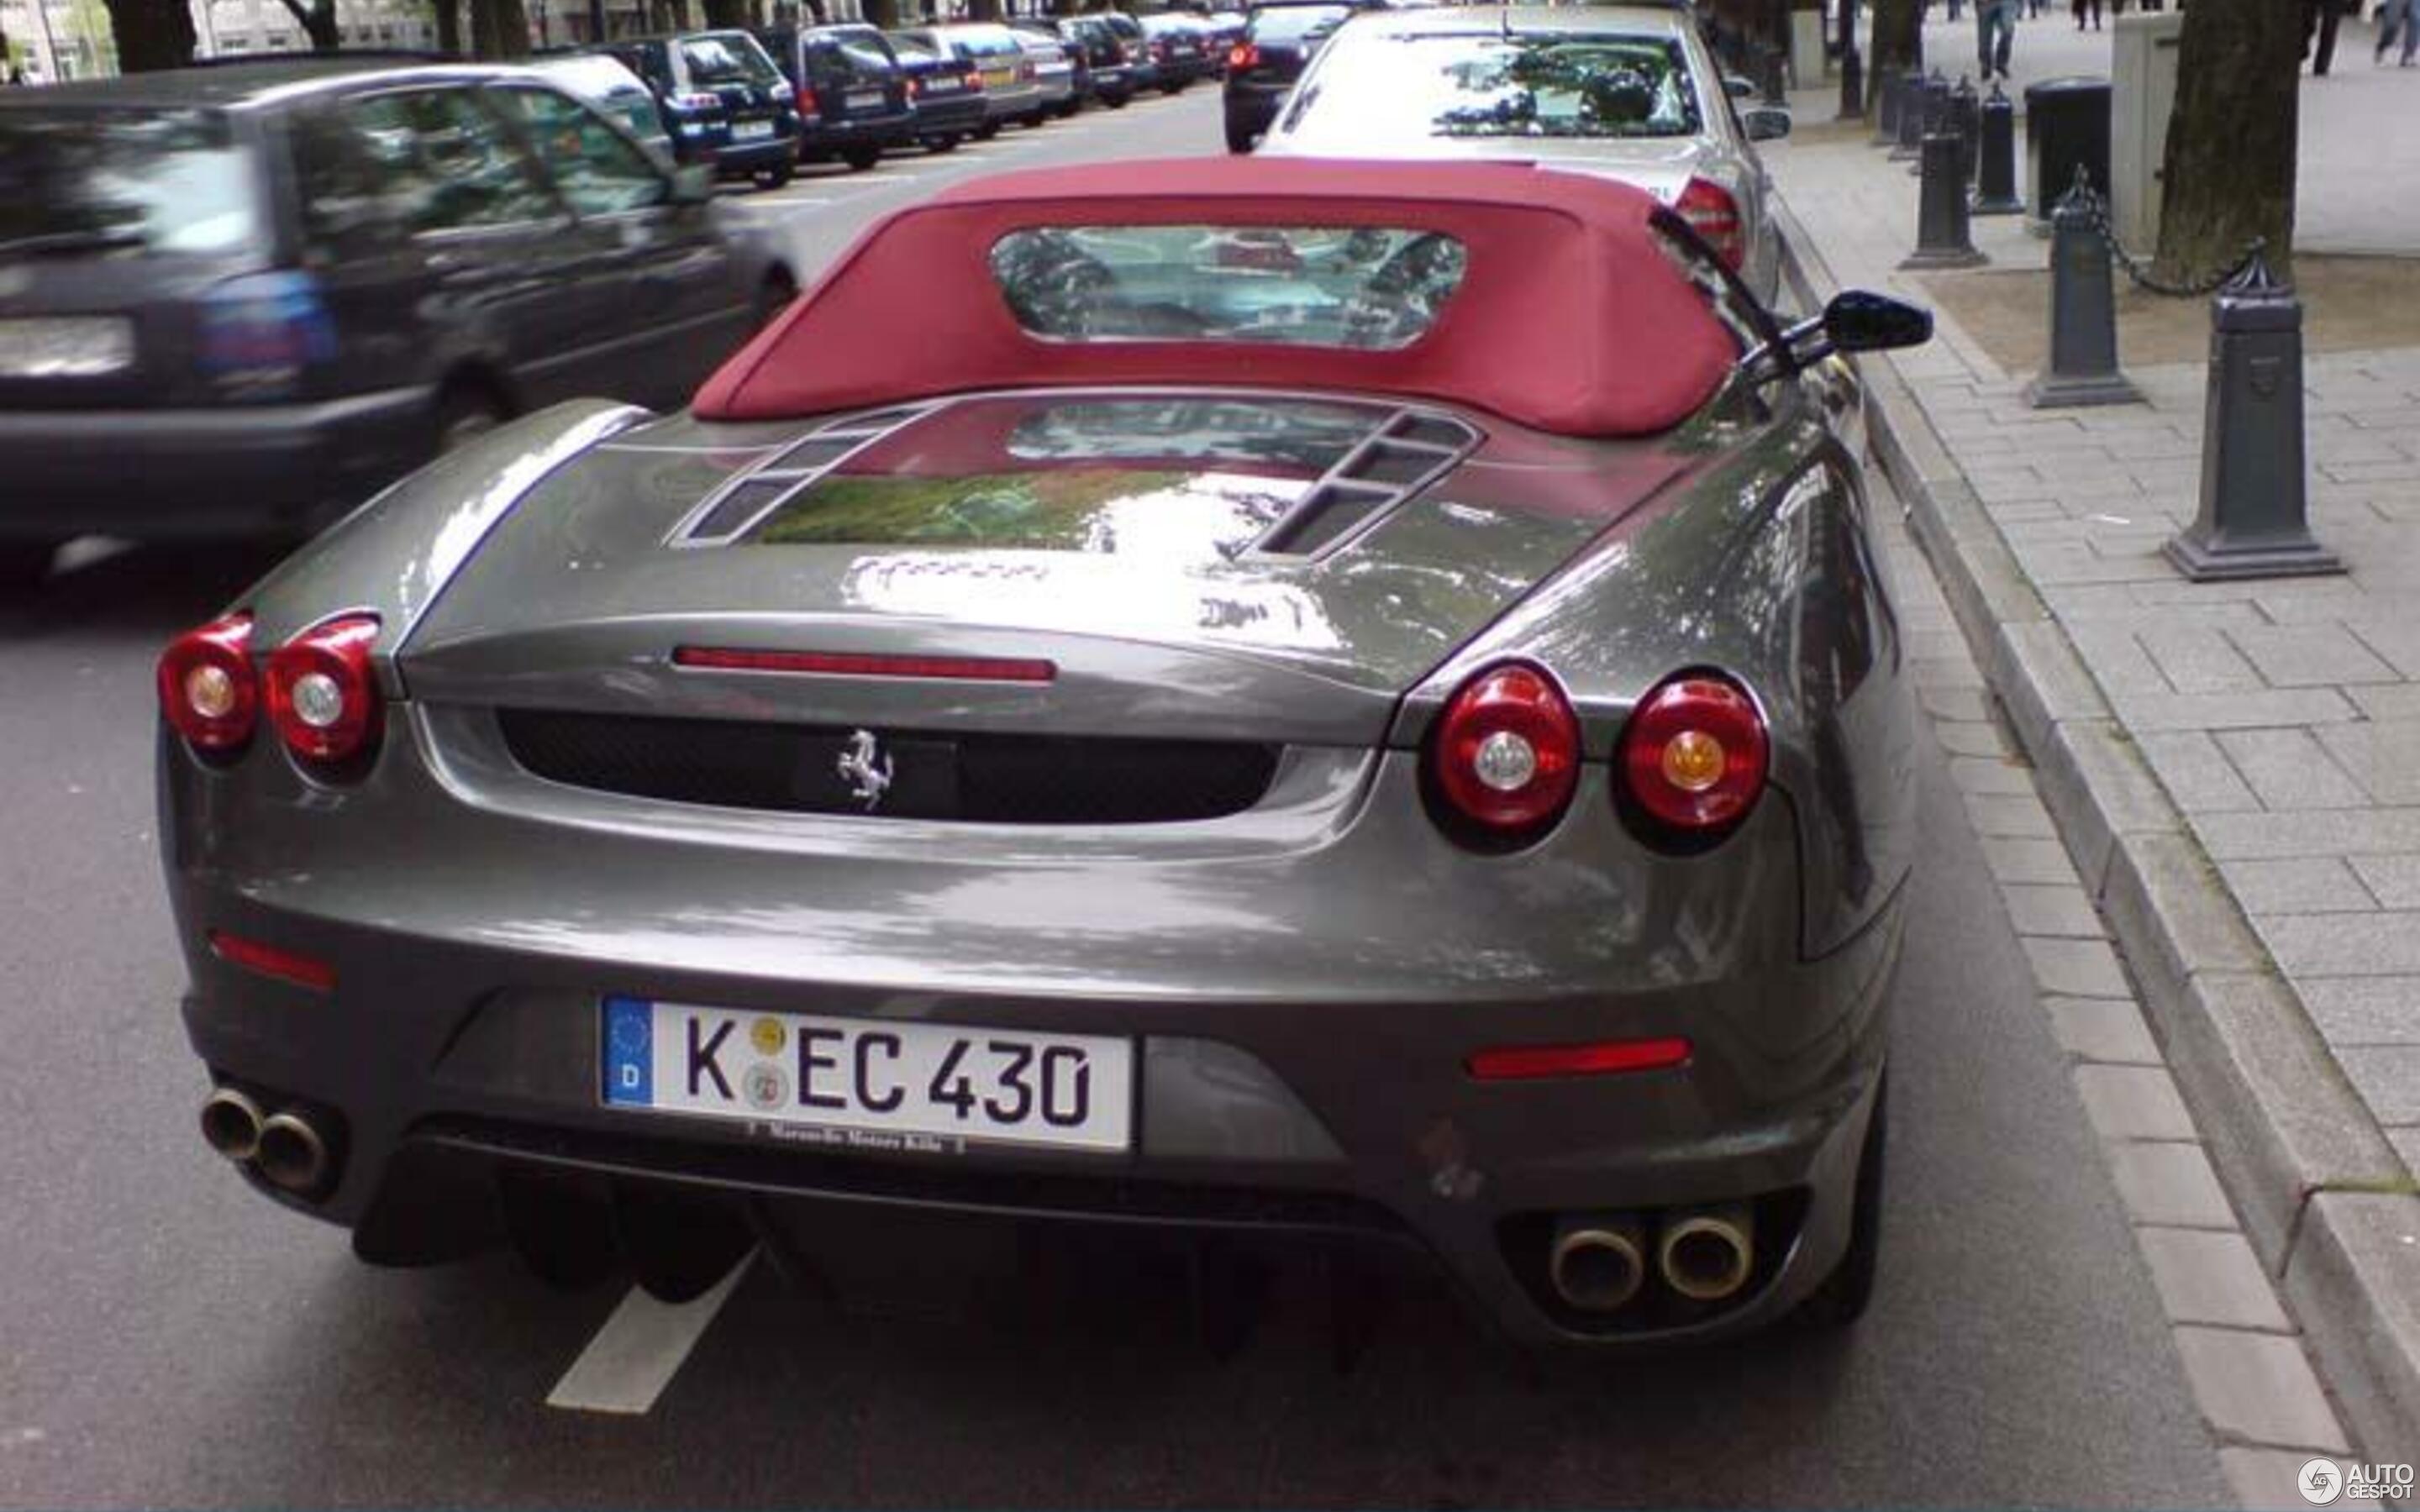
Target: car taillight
pixel 1695 754
pixel 208 692
pixel 257 333
pixel 323 694
pixel 1025 70
pixel 1243 55
pixel 1506 754
pixel 971 79
pixel 1714 216
pixel 1159 50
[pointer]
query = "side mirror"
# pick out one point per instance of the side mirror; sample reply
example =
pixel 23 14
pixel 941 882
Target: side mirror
pixel 1765 123
pixel 692 183
pixel 1739 89
pixel 1859 321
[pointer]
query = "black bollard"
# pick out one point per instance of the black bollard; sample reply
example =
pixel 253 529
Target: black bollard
pixel 1941 232
pixel 1853 87
pixel 1887 93
pixel 1995 182
pixel 1965 124
pixel 2083 311
pixel 2252 521
pixel 1934 120
pixel 1911 116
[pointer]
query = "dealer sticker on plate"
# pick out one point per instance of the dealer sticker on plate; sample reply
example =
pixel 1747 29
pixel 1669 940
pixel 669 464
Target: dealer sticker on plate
pixel 869 1083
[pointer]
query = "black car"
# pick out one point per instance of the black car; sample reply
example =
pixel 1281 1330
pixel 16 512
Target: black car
pixel 237 300
pixel 723 99
pixel 1143 69
pixel 946 91
pixel 1179 44
pixel 1262 67
pixel 852 93
pixel 1095 49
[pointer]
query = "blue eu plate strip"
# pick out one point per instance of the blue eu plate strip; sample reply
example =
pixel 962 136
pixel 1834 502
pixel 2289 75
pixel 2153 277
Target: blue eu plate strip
pixel 630 1052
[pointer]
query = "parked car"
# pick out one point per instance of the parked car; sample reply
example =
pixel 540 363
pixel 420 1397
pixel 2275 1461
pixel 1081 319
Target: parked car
pixel 723 99
pixel 1100 56
pixel 1054 69
pixel 1220 31
pixel 853 96
pixel 604 83
pixel 237 300
pixel 1625 90
pixel 1143 69
pixel 1278 41
pixel 946 91
pixel 1180 48
pixel 1028 769
pixel 1009 92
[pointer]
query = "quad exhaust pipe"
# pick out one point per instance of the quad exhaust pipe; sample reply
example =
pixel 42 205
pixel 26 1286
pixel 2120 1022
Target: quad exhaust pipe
pixel 1597 1265
pixel 288 1148
pixel 1706 1254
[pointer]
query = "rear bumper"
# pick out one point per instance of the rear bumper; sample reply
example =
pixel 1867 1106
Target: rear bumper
pixel 872 131
pixel 1012 104
pixel 739 160
pixel 190 473
pixel 957 113
pixel 1309 1075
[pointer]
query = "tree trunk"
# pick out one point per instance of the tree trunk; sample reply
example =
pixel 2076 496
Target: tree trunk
pixel 318 23
pixel 449 27
pixel 2229 180
pixel 983 9
pixel 1896 44
pixel 883 13
pixel 499 29
pixel 727 13
pixel 151 33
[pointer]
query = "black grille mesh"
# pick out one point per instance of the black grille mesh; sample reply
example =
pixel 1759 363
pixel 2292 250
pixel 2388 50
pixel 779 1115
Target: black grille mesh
pixel 981 779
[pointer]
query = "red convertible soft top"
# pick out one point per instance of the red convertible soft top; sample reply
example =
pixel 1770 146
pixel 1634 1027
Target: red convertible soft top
pixel 1569 318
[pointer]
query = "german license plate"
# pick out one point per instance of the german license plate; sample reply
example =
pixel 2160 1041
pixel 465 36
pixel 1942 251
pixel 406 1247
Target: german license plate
pixel 940 85
pixel 864 100
pixel 68 348
pixel 869 1083
pixel 751 130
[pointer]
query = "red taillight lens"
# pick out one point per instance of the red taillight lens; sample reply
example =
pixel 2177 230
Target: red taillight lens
pixel 1243 55
pixel 1714 216
pixel 1522 1063
pixel 301 970
pixel 207 692
pixel 323 693
pixel 1695 753
pixel 1507 751
pixel 971 80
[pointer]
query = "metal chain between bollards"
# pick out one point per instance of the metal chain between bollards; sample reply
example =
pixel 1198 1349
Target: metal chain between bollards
pixel 2138 270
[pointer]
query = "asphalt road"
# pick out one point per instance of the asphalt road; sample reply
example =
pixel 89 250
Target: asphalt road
pixel 168 1338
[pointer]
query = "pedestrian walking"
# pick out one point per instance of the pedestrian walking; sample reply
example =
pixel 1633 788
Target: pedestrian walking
pixel 2398 19
pixel 1995 31
pixel 2320 20
pixel 2093 8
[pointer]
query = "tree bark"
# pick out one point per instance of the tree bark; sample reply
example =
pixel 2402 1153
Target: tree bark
pixel 499 29
pixel 730 13
pixel 2230 164
pixel 883 13
pixel 317 20
pixel 449 27
pixel 983 9
pixel 151 33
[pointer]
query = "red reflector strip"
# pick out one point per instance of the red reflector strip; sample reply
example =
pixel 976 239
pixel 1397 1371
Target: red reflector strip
pixel 271 962
pixel 851 664
pixel 1529 1062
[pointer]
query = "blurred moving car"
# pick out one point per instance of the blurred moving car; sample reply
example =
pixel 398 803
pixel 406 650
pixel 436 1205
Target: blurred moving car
pixel 1264 662
pixel 237 300
pixel 1279 40
pixel 853 96
pixel 1009 92
pixel 1100 55
pixel 947 92
pixel 1629 91
pixel 603 82
pixel 1179 47
pixel 723 101
pixel 1054 69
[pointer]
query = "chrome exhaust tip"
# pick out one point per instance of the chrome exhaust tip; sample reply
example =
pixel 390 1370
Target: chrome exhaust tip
pixel 1707 1255
pixel 1597 1265
pixel 291 1153
pixel 231 1124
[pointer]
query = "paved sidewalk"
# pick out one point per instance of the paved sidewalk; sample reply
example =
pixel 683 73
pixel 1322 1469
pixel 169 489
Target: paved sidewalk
pixel 2235 770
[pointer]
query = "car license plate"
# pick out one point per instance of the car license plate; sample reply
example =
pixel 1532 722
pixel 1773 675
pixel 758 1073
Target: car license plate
pixel 751 130
pixel 864 100
pixel 940 85
pixel 870 1082
pixel 70 348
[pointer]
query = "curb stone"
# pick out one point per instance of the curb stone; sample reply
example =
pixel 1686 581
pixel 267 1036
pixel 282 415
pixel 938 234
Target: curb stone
pixel 2327 1204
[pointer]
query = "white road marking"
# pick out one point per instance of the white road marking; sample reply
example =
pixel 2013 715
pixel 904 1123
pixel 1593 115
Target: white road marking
pixel 638 1350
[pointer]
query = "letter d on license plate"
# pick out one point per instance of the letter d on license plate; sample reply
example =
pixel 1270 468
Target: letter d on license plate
pixel 998 1085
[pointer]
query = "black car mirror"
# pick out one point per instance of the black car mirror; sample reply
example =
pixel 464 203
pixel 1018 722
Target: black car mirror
pixel 1857 320
pixel 692 184
pixel 1765 124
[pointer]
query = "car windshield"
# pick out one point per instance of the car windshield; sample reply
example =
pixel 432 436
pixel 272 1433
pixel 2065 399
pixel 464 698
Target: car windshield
pixel 122 180
pixel 1461 84
pixel 1291 24
pixel 911 51
pixel 727 57
pixel 988 42
pixel 1361 288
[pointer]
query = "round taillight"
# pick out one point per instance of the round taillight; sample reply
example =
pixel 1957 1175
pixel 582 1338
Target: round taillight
pixel 1695 753
pixel 323 693
pixel 207 692
pixel 1507 751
